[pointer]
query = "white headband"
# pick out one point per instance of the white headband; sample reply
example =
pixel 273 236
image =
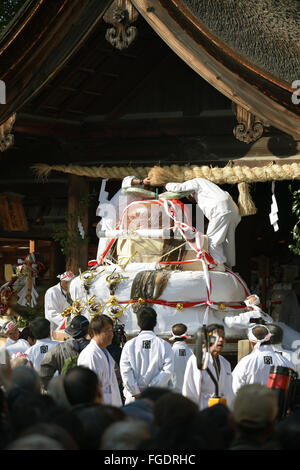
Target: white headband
pixel 67 276
pixel 258 342
pixel 173 337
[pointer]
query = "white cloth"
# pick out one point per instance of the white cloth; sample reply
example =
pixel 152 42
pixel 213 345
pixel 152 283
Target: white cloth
pixel 111 212
pixel 242 320
pixel 55 303
pixel 199 387
pixel 36 353
pixel 255 367
pixel 182 353
pixel 289 312
pixel 146 361
pixel 21 345
pixel 221 212
pixel 9 342
pixel 100 361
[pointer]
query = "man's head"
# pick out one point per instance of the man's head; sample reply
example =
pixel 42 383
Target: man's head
pixel 277 333
pixel 27 334
pixel 40 327
pixel 255 409
pixel 179 329
pixel 216 336
pixel 258 335
pixel 82 386
pixel 146 318
pixel 78 327
pixel 65 279
pixel 101 330
pixel 179 332
pixel 11 330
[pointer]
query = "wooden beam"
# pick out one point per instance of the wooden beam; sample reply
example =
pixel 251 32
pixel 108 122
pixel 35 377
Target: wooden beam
pixel 57 38
pixel 244 84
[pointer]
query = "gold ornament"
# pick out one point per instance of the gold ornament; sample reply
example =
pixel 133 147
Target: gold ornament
pixel 179 306
pixel 222 306
pixel 68 311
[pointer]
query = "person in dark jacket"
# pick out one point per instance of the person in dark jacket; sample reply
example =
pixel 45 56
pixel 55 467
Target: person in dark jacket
pixel 55 359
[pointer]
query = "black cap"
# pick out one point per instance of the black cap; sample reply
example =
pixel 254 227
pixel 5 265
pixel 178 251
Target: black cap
pixel 79 325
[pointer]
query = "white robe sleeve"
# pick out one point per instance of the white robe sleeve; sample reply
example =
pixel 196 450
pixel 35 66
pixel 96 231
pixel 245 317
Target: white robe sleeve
pixel 53 311
pixel 238 376
pixel 192 382
pixel 127 181
pixel 127 373
pixel 166 372
pixel 190 185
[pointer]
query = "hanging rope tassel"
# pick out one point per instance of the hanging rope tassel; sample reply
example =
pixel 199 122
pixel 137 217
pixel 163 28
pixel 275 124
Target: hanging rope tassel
pixel 245 202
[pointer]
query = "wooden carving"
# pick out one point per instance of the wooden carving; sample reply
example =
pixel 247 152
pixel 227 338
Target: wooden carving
pixel 249 128
pixel 6 137
pixel 121 14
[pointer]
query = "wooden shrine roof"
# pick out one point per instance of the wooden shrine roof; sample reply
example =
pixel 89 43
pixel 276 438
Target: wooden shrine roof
pixel 64 78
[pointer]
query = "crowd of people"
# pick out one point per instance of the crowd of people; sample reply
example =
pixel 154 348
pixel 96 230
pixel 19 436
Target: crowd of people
pixel 99 390
pixel 146 393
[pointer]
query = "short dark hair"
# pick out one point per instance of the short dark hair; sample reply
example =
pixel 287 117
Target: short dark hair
pixel 146 318
pixel 40 327
pixel 214 326
pixel 80 385
pixel 277 333
pixel 260 332
pixel 98 322
pixel 27 333
pixel 179 329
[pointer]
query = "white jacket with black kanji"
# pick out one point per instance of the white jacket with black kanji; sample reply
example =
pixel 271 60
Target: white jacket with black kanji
pixel 256 366
pixel 182 353
pixel 146 361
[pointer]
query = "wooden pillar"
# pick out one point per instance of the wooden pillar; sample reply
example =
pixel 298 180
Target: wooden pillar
pixel 77 257
pixel 2 269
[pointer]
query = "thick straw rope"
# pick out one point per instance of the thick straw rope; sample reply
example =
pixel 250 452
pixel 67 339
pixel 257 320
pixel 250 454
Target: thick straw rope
pixel 162 175
pixel 241 175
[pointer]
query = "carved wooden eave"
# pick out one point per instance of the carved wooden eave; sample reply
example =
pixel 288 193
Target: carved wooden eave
pixel 120 15
pixel 253 89
pixel 41 40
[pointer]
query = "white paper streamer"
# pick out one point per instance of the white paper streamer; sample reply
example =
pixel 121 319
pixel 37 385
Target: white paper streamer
pixel 274 210
pixel 80 228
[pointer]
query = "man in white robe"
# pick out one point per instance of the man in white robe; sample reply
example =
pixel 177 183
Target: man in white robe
pixel 40 328
pixel 57 300
pixel 222 213
pixel 111 211
pixel 14 344
pixel 182 353
pixel 146 360
pixel 198 385
pixel 96 357
pixel 256 366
